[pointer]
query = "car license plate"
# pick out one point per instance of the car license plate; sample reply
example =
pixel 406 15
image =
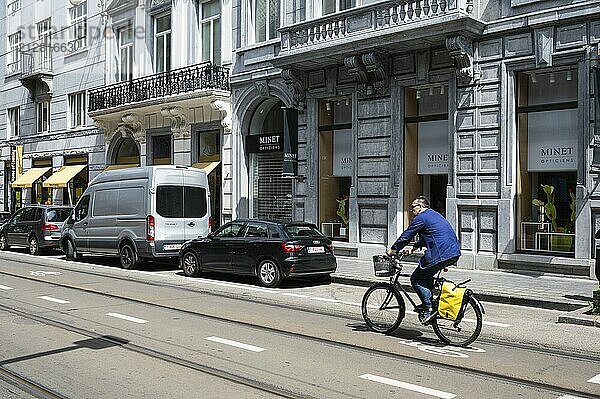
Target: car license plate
pixel 316 250
pixel 172 247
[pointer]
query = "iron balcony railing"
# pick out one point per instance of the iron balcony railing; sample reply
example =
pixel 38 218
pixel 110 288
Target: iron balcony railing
pixel 204 76
pixel 36 59
pixel 371 18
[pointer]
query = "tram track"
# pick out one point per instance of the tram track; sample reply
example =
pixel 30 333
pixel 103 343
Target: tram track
pixel 27 385
pixel 320 340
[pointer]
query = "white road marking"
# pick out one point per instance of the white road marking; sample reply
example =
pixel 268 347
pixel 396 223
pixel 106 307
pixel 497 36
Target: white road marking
pixel 43 273
pixel 128 318
pixel 570 397
pixel 408 386
pixel 236 344
pixel 4 287
pixel 55 300
pixel 595 379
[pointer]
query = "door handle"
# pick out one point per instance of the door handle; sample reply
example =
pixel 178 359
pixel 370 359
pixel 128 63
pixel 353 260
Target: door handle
pixel 191 224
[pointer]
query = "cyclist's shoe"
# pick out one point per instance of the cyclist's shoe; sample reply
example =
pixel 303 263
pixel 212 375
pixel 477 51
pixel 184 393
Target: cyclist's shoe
pixel 427 316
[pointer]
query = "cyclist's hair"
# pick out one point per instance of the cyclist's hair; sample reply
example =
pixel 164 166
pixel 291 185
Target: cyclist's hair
pixel 423 201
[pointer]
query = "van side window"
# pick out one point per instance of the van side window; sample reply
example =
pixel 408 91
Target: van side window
pixel 104 204
pixel 169 201
pixel 81 210
pixel 130 201
pixel 194 201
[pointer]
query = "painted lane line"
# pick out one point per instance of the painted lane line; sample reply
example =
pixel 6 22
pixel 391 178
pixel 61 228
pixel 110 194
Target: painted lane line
pixel 236 344
pixel 4 287
pixel 55 300
pixel 128 318
pixel 570 397
pixel 408 386
pixel 595 379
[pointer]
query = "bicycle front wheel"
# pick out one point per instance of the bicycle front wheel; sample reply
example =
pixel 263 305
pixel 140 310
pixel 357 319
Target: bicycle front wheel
pixel 383 308
pixel 461 332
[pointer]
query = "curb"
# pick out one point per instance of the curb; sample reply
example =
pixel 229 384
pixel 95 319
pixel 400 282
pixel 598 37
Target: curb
pixel 581 321
pixel 495 298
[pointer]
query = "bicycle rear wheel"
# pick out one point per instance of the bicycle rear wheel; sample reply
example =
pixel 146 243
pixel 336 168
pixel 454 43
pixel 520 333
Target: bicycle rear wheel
pixel 460 332
pixel 383 308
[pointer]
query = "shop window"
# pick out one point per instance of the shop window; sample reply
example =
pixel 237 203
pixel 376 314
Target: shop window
pixel 426 146
pixel 39 193
pixel 209 150
pixel 336 166
pixel 161 149
pixel 77 185
pixel 548 158
pixel 127 153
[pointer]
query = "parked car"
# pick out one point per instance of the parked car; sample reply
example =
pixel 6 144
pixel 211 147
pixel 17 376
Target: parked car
pixel 139 214
pixel 4 216
pixel 36 227
pixel 269 250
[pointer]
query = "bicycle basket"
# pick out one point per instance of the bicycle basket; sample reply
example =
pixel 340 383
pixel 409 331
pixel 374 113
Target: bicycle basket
pixel 383 265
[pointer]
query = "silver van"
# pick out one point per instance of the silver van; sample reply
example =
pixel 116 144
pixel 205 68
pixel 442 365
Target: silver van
pixel 139 214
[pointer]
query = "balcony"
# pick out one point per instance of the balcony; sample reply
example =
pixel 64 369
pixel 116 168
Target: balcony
pixel 392 26
pixel 36 68
pixel 202 80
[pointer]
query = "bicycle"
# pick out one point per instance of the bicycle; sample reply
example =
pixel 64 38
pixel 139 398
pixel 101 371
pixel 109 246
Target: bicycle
pixel 383 307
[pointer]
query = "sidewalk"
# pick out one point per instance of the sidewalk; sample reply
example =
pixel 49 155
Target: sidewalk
pixel 571 295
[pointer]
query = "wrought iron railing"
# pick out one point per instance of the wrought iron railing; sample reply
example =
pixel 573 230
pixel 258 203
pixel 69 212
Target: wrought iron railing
pixel 13 6
pixel 36 58
pixel 370 18
pixel 204 76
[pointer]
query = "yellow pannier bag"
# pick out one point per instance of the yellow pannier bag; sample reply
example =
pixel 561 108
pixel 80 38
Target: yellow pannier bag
pixel 451 300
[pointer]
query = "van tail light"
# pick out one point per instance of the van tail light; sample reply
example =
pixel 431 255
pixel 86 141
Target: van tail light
pixel 150 228
pixel 287 248
pixel 49 227
pixel 330 247
pixel 210 223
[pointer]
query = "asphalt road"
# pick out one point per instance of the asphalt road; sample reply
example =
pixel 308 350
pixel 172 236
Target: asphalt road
pixel 80 330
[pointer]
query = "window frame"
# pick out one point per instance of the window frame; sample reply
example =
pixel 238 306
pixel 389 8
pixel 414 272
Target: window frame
pixel 42 126
pixel 253 25
pixel 77 106
pixel 167 34
pixel 14 52
pixel 213 41
pixel 77 31
pixel 129 49
pixel 13 125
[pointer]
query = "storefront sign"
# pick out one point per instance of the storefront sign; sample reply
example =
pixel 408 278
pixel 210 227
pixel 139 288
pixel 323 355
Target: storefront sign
pixel 343 162
pixel 290 142
pixel 272 142
pixel 433 148
pixel 552 141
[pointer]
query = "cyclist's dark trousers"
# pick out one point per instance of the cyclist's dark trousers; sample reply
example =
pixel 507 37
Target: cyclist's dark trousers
pixel 422 280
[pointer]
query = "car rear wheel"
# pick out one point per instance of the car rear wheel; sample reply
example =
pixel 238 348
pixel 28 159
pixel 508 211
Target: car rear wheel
pixel 190 264
pixel 129 258
pixel 4 243
pixel 268 273
pixel 34 246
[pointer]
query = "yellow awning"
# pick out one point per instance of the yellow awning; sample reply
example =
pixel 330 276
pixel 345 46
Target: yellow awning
pixel 28 178
pixel 63 176
pixel 124 166
pixel 206 166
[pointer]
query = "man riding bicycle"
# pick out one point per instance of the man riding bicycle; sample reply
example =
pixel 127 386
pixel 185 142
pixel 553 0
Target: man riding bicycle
pixel 442 250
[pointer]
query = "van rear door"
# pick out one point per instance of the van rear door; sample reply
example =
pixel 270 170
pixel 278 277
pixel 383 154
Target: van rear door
pixel 196 200
pixel 169 230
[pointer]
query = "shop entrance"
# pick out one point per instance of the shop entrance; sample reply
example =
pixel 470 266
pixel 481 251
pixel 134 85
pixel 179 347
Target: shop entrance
pixel 426 147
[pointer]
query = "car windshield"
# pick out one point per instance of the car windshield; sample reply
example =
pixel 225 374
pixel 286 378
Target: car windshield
pixel 57 215
pixel 302 231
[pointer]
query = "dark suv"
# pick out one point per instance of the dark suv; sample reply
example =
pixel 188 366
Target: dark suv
pixel 36 227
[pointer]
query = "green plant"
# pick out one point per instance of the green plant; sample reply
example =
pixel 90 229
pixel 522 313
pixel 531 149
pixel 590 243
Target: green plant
pixel 550 209
pixel 341 212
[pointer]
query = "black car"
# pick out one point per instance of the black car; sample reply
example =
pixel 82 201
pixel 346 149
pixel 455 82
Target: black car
pixel 36 227
pixel 267 249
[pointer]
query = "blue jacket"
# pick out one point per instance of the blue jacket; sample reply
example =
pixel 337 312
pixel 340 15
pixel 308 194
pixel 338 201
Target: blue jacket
pixel 435 234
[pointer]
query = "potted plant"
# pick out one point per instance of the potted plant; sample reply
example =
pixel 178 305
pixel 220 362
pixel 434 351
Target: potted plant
pixel 562 243
pixel 342 213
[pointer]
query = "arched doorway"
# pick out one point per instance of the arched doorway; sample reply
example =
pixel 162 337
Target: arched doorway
pixel 270 192
pixel 126 153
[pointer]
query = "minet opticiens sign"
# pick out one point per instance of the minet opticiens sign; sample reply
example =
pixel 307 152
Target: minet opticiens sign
pixel 552 141
pixel 433 148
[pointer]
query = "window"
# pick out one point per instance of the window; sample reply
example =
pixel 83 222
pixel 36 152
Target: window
pixel 162 43
pixel 103 203
pixel 177 201
pixel 130 201
pixel 81 210
pixel 14 123
pixel 14 56
pixel 266 17
pixel 58 214
pixel 77 109
pixel 13 6
pixel 125 54
pixel 43 116
pixel 229 230
pixel 78 28
pixel 211 31
pixel 333 6
pixel 44 31
pixel 255 230
pixel 161 150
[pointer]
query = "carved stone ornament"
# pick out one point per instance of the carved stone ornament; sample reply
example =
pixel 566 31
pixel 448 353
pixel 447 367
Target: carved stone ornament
pixel 262 87
pixel 225 108
pixel 131 126
pixel 370 72
pixel 377 70
pixel 179 125
pixel 294 79
pixel 356 68
pixel 461 50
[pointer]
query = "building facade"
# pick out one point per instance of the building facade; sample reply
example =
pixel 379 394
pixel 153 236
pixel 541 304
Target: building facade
pixel 51 53
pixel 486 107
